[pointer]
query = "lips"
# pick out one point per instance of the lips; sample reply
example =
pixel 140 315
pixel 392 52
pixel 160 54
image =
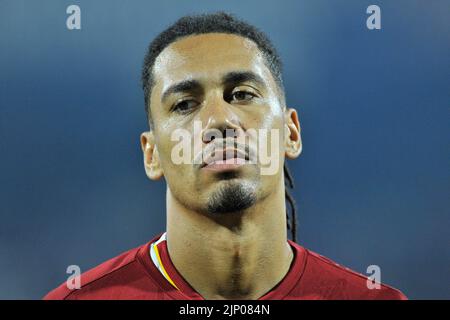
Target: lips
pixel 225 158
pixel 224 155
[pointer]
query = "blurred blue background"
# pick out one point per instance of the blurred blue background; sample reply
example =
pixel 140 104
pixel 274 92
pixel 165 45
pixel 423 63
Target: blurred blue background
pixel 372 184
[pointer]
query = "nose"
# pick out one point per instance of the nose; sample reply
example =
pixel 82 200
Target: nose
pixel 221 129
pixel 220 121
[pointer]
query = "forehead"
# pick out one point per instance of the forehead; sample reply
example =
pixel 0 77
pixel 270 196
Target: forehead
pixel 207 56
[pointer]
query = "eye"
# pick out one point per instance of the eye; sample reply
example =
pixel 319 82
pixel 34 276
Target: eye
pixel 242 96
pixel 184 106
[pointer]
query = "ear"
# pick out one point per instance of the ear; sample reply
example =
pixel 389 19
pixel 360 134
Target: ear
pixel 152 163
pixel 292 139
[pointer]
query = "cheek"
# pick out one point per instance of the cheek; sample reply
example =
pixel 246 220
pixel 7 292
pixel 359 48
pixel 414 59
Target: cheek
pixel 270 116
pixel 165 146
pixel 173 164
pixel 273 126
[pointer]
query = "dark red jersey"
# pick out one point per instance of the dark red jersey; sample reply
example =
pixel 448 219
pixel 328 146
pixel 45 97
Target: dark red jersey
pixel 147 272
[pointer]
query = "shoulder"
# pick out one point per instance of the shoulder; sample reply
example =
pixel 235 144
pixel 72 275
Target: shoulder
pixel 325 279
pixel 118 277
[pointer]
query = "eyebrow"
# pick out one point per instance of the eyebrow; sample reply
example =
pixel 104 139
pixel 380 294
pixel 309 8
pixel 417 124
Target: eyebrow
pixel 230 78
pixel 183 86
pixel 235 77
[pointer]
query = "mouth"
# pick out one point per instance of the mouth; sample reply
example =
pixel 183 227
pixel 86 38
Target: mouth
pixel 224 160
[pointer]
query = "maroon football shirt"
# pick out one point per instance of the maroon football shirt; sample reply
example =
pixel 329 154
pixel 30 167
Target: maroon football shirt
pixel 134 275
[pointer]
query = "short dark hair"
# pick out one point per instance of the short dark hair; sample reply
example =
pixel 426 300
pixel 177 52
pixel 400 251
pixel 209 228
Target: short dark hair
pixel 219 22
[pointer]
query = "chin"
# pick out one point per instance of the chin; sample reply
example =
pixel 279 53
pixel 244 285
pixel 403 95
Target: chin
pixel 232 196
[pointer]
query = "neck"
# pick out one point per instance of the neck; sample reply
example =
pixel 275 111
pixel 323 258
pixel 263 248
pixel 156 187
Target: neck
pixel 233 256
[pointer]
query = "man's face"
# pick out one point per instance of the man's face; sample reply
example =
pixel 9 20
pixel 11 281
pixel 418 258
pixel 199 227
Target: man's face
pixel 220 81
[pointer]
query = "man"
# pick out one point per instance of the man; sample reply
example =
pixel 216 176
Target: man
pixel 226 234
